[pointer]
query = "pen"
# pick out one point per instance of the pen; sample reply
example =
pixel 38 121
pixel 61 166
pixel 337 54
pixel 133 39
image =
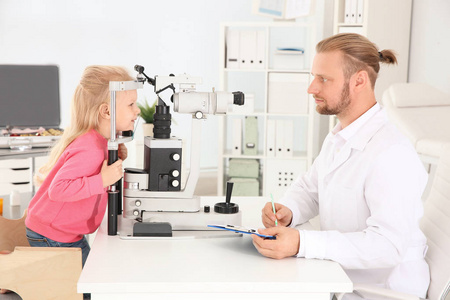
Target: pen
pixel 274 212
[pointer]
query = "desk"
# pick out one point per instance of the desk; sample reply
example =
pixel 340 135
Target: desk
pixel 210 268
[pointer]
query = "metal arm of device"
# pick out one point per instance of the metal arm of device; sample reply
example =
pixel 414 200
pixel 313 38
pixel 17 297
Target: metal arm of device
pixel 114 190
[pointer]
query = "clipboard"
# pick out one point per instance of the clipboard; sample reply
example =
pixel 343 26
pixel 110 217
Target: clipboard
pixel 240 229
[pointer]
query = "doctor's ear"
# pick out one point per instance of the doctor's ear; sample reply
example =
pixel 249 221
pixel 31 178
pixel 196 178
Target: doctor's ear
pixel 104 111
pixel 362 78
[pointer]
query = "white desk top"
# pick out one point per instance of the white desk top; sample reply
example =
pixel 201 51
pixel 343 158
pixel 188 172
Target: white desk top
pixel 209 265
pixel 15 154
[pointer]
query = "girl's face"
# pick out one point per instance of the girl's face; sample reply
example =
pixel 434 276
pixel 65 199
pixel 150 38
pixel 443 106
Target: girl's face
pixel 126 110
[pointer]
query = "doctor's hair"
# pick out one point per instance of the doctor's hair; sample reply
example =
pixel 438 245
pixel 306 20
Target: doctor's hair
pixel 358 54
pixel 90 94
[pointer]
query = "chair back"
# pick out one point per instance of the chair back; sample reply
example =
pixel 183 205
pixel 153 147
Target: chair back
pixel 436 226
pixel 13 233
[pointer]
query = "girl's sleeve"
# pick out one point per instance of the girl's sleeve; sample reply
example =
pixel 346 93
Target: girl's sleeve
pixel 79 177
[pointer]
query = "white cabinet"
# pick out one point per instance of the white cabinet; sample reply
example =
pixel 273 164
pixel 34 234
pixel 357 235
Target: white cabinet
pixel 269 62
pixel 17 174
pixel 386 23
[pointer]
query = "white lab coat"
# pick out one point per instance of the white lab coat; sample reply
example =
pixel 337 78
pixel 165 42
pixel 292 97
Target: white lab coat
pixel 368 196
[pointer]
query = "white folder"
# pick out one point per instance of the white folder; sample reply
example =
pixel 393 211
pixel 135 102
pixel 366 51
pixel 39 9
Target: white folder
pixel 271 130
pixel 260 49
pixel 247 49
pixel 347 11
pixel 279 139
pixel 288 138
pixel 353 11
pixel 237 137
pixel 360 11
pixel 232 49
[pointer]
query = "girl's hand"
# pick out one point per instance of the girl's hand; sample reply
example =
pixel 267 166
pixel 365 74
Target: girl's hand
pixel 123 152
pixel 112 173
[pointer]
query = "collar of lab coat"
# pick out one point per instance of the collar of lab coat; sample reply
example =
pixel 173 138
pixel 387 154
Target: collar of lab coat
pixel 358 134
pixel 360 131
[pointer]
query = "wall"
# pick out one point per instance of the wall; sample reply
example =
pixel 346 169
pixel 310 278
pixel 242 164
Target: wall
pixel 430 43
pixel 171 36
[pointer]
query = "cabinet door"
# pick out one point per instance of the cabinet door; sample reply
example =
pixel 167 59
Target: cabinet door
pixel 15 176
pixel 7 188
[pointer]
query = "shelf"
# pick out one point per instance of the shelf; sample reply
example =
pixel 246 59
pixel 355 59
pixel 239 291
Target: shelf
pixel 267 70
pixel 229 155
pixel 245 70
pixel 302 71
pixel 287 115
pixel 349 24
pixel 266 24
pixel 298 155
pixel 260 83
pixel 249 114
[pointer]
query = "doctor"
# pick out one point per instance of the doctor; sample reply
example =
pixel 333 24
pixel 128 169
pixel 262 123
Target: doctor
pixel 366 184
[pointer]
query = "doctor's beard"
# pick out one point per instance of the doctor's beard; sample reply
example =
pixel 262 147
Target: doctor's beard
pixel 343 104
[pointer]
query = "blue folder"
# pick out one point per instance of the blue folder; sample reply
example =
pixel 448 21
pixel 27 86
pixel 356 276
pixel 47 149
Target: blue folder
pixel 240 229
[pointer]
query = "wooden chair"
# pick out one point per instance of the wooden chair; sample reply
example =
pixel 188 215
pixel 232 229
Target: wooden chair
pixel 35 272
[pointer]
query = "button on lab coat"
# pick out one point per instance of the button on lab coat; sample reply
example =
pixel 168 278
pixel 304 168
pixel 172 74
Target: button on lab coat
pixel 368 196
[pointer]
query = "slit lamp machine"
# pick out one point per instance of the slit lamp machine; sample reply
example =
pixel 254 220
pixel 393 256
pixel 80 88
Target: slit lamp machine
pixel 152 202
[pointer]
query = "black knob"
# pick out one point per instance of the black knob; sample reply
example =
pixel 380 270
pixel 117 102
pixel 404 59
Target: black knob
pixel 238 98
pixel 227 207
pixel 139 68
pixel 206 208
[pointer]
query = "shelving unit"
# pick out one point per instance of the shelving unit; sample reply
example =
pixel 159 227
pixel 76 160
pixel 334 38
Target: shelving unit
pixel 387 24
pixel 276 173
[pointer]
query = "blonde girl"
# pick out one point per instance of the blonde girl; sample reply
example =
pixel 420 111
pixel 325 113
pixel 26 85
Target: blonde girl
pixel 72 199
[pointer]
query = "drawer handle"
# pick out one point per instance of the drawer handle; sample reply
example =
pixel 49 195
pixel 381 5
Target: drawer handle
pixel 20 169
pixel 19 183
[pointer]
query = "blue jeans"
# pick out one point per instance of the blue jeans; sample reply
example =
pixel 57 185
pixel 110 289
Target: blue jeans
pixel 37 240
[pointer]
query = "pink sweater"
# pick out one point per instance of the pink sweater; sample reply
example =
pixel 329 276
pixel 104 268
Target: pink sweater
pixel 72 201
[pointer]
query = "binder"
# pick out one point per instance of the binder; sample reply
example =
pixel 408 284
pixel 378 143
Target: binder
pixel 360 10
pixel 288 138
pixel 279 138
pixel 347 11
pixel 237 137
pixel 251 136
pixel 271 146
pixel 247 49
pixel 353 11
pixel 232 41
pixel 260 49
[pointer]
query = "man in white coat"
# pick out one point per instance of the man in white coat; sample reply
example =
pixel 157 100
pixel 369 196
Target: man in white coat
pixel 366 184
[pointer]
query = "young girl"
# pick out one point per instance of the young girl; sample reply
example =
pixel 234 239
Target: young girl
pixel 72 199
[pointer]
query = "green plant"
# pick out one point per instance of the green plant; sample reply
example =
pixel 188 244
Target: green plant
pixel 147 111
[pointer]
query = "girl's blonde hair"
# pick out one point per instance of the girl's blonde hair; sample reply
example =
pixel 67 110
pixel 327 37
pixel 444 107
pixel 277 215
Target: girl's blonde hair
pixel 90 94
pixel 359 54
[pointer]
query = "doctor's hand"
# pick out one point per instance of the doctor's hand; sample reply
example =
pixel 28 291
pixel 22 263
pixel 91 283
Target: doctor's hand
pixel 286 244
pixel 123 152
pixel 283 215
